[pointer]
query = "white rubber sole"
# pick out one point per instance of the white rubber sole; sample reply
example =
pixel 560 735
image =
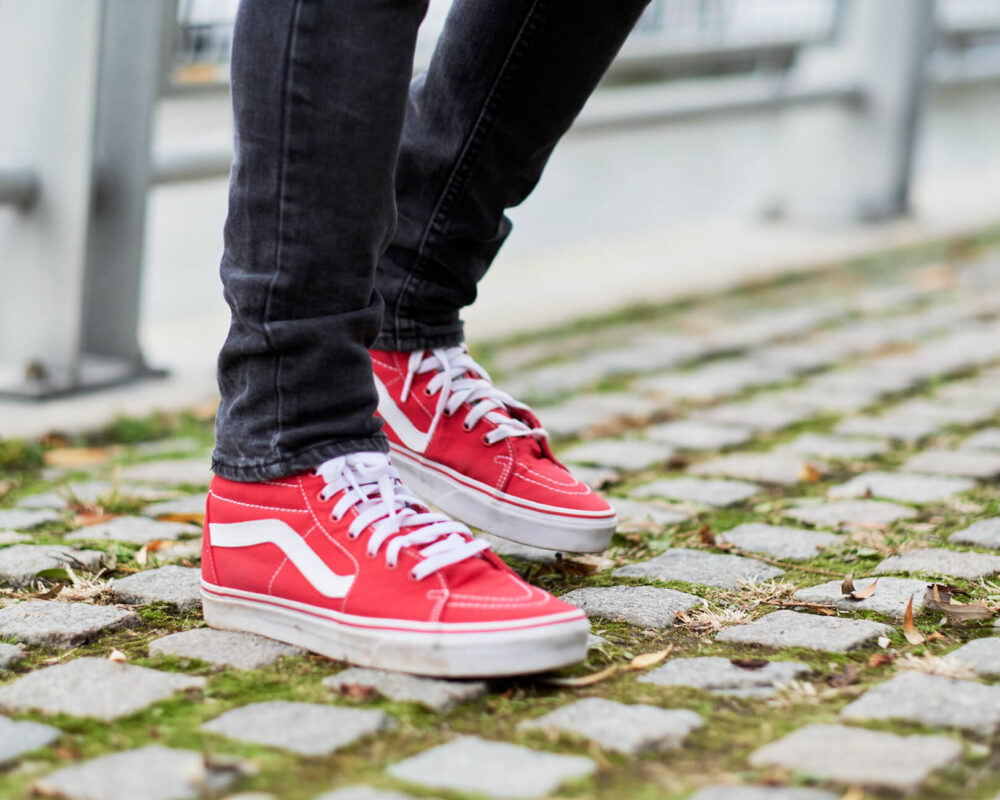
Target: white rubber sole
pixel 484 508
pixel 544 646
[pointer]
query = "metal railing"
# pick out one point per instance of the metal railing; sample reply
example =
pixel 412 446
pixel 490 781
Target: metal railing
pixel 72 201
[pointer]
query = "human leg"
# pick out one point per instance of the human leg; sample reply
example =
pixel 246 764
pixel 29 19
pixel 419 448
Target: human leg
pixel 504 84
pixel 310 537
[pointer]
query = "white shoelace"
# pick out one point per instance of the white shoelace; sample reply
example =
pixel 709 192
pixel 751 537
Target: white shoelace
pixel 371 485
pixel 456 386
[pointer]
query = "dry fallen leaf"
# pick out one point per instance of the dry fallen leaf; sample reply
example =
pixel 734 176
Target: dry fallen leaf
pixel 913 636
pixel 117 656
pixel 583 680
pixel 848 585
pixel 357 691
pixel 76 456
pixel 196 517
pixel 142 556
pixel 939 598
pixel 879 660
pixel 705 536
pixel 862 594
pixel 646 660
pixel 810 473
pixel 854 793
pixel 749 663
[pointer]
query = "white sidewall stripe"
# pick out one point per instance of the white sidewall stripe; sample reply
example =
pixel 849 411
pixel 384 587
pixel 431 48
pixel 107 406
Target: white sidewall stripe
pixel 283 536
pixel 399 422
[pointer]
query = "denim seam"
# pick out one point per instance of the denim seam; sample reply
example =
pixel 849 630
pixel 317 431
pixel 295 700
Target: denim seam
pixel 280 222
pixel 460 171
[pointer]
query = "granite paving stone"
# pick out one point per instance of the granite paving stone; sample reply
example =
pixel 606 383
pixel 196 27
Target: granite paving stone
pixel 178 586
pixel 153 772
pixel 890 598
pixel 869 377
pixel 822 399
pixel 700 568
pixel 931 700
pixel 93 687
pixel 939 561
pixel 981 655
pixel 829 446
pixel 896 426
pixel 646 606
pixel 805 356
pixel 140 530
pixel 188 471
pixel 628 455
pixel 947 412
pixel 722 676
pixel 223 648
pixel 984 533
pixel 596 478
pixel 21 563
pixel 13 537
pixel 622 728
pixel 361 792
pixel 89 492
pixel 794 544
pixel 10 654
pixel 706 491
pixel 691 434
pixel 795 629
pixel 847 513
pixel 308 729
pixel 435 694
pixel 986 439
pixel 856 756
pixel 965 463
pixel 495 769
pixel 760 414
pixel 761 793
pixel 524 552
pixel 782 468
pixel 902 487
pixel 50 623
pixel 638 512
pixel 596 412
pixel 192 505
pixel 23 519
pixel 715 380
pixel 18 737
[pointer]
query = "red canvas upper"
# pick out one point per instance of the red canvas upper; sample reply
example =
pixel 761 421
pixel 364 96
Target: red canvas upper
pixel 476 590
pixel 521 468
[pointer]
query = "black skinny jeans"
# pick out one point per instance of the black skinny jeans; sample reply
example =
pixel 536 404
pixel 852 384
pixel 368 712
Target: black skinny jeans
pixel 364 210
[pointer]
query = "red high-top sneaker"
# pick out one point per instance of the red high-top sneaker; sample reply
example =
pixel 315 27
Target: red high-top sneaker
pixel 478 454
pixel 346 562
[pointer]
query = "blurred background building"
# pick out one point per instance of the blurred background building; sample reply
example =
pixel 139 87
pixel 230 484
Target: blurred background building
pixel 732 139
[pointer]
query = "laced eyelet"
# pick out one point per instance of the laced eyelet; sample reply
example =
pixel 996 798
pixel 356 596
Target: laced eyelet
pixel 391 566
pixel 428 392
pixel 486 440
pixel 370 555
pixel 412 577
pixel 322 497
pixel 353 536
pixel 466 427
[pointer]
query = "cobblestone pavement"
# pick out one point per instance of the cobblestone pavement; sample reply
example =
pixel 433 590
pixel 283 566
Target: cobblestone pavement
pixel 800 602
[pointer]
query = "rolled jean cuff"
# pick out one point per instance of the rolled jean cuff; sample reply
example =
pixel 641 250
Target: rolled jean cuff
pixel 295 463
pixel 408 335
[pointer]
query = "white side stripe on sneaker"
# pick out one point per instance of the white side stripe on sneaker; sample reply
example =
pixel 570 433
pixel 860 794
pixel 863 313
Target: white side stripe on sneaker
pixel 273 531
pixel 396 418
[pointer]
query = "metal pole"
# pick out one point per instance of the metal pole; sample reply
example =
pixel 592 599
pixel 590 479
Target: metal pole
pixel 855 162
